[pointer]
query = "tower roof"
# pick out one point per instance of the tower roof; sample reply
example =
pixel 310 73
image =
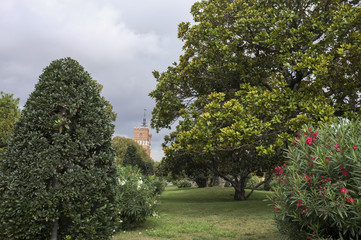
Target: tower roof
pixel 144 124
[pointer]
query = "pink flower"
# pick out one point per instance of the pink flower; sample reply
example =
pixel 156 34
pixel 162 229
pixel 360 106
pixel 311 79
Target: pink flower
pixel 343 190
pixel 344 173
pixel 315 134
pixel 310 129
pixel 354 147
pixel 304 211
pixel 327 159
pixel 342 168
pixel 276 208
pixel 351 200
pixel 298 204
pixel 313 159
pixel 309 141
pixel 336 145
pixel 307 178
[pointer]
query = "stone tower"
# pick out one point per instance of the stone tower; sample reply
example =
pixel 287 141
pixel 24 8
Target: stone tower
pixel 142 135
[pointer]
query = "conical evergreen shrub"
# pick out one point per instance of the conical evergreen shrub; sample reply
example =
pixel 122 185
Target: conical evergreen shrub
pixel 57 179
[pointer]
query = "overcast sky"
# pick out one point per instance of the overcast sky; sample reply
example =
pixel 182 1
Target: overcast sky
pixel 119 42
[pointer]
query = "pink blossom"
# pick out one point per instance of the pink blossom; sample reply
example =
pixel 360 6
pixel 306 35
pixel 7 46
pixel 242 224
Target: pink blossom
pixel 310 129
pixel 304 211
pixel 276 208
pixel 344 173
pixel 354 147
pixel 315 134
pixel 309 141
pixel 307 178
pixel 343 190
pixel 327 159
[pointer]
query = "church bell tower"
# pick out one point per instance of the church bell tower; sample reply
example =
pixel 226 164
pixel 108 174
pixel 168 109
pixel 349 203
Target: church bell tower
pixel 142 135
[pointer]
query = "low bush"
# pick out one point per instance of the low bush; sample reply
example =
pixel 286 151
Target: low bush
pixel 317 192
pixel 159 185
pixel 252 182
pixel 137 197
pixel 183 183
pixel 227 184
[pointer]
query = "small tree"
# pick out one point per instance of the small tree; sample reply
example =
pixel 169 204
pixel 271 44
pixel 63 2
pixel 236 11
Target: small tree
pixel 57 178
pixel 9 113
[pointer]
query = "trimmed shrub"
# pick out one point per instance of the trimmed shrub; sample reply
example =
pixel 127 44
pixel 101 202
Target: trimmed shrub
pixel 317 192
pixel 137 197
pixel 57 178
pixel 183 183
pixel 252 182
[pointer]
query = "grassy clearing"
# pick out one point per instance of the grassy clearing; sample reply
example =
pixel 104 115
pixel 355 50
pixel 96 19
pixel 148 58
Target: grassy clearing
pixel 207 214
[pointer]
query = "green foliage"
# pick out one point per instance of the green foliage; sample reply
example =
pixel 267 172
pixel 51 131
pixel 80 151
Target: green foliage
pixel 251 75
pixel 137 197
pixel 317 192
pixel 122 143
pixel 252 182
pixel 9 113
pixel 183 183
pixel 159 185
pixel 57 173
pixel 132 158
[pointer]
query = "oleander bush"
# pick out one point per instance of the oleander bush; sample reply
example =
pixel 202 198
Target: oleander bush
pixel 137 197
pixel 57 178
pixel 317 191
pixel 159 185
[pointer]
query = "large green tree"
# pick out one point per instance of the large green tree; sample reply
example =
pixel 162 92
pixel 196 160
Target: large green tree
pixel 57 177
pixel 253 72
pixel 9 113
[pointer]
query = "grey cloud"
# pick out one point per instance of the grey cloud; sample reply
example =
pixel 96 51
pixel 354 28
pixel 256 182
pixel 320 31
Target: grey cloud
pixel 118 42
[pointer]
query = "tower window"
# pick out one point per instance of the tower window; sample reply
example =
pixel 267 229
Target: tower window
pixel 140 135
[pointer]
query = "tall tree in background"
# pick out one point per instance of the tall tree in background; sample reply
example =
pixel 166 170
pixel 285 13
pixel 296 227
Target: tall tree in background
pixel 252 73
pixel 122 143
pixel 133 158
pixel 9 113
pixel 57 177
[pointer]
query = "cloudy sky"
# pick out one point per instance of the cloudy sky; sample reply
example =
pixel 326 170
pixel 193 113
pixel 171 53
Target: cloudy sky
pixel 119 42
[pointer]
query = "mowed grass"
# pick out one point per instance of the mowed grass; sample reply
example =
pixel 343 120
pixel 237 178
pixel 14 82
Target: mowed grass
pixel 207 214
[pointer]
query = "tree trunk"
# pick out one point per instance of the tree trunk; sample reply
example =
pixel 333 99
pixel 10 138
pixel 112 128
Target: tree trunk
pixel 54 232
pixel 239 193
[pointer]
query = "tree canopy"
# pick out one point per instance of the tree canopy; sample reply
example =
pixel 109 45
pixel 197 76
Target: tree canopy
pixel 252 73
pixel 9 113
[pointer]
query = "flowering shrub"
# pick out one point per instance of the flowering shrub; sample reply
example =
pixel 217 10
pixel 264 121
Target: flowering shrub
pixel 158 184
pixel 317 192
pixel 137 197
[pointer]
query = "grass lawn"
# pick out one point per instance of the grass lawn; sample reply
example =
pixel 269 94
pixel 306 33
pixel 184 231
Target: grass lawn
pixel 207 214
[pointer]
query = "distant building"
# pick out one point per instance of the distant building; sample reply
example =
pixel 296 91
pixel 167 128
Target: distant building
pixel 142 136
